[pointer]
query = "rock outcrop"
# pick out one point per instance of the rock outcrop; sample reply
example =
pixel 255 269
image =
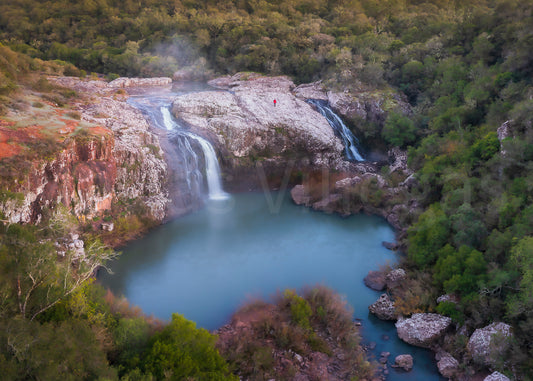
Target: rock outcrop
pixel 247 127
pixel 447 298
pixel 448 366
pixel 141 170
pixel 487 345
pixel 395 277
pixel 80 176
pixel 374 279
pixel 136 82
pixel 504 132
pixel 422 329
pixel 383 308
pixel 356 105
pixel 404 362
pixel 362 188
pixel 496 376
pixel 104 154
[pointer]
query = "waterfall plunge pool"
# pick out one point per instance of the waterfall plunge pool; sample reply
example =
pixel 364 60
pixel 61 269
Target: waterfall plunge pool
pixel 208 263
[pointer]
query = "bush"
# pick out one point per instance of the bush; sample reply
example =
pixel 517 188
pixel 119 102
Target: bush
pixel 398 130
pixel 182 351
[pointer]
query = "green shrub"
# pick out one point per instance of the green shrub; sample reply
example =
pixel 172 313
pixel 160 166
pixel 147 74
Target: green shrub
pixel 398 130
pixel 182 351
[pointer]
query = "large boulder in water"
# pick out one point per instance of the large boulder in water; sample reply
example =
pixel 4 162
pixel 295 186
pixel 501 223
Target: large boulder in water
pixel 423 329
pixel 247 126
pixel 404 361
pixel 375 280
pixel 383 308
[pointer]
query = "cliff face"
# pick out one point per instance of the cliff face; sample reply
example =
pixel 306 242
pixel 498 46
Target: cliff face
pixel 248 127
pixel 362 109
pixel 80 176
pixel 104 155
pixel 141 171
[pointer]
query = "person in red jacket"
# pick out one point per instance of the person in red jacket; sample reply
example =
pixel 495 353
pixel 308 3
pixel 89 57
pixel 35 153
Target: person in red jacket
pixel 275 102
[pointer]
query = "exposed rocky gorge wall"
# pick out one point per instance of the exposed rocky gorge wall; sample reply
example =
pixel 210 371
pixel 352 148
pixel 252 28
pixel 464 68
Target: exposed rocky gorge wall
pixel 119 158
pixel 249 129
pixel 80 176
pixel 256 136
pixel 364 110
pixel 109 156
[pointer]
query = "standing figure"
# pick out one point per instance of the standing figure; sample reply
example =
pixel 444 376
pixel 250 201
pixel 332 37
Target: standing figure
pixel 275 102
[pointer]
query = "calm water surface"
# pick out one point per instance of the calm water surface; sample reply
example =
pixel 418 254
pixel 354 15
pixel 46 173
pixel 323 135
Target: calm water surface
pixel 206 264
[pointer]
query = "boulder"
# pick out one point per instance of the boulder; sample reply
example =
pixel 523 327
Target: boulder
pixel 448 366
pixel 390 245
pixel 383 308
pixel 145 82
pixel 107 226
pixel 300 196
pixel 328 204
pixel 395 277
pixel 375 280
pixel 447 298
pixel 422 329
pixel 496 376
pixel 398 160
pixel 488 344
pixel 404 361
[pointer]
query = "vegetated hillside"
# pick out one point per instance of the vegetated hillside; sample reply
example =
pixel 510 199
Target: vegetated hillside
pixel 466 68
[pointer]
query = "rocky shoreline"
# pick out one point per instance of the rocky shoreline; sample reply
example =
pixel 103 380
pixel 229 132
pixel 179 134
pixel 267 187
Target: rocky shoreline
pixel 437 332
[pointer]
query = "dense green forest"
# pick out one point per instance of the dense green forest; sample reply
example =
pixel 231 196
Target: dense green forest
pixel 465 66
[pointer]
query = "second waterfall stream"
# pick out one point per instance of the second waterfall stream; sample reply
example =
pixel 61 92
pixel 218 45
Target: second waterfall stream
pixel 351 144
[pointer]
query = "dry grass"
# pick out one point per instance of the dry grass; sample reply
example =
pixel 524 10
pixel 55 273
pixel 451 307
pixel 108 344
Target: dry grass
pixel 263 338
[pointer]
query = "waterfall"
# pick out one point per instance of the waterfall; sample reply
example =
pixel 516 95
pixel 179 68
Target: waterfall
pixel 351 143
pixel 212 169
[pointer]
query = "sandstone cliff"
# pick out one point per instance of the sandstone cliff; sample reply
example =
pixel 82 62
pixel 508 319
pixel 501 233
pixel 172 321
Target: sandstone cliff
pixel 89 159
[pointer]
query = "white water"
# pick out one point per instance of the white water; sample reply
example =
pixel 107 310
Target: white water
pixel 212 169
pixel 350 141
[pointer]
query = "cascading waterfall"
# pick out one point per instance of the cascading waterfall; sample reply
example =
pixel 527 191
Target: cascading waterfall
pixel 351 143
pixel 212 169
